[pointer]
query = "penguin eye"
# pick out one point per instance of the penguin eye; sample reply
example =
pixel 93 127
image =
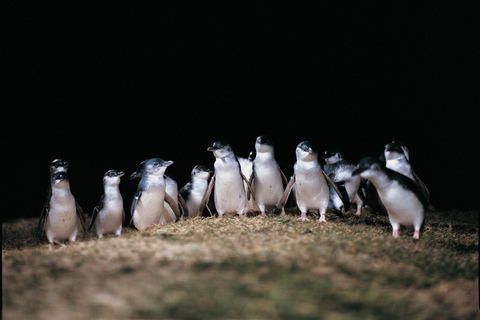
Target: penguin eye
pixel 156 164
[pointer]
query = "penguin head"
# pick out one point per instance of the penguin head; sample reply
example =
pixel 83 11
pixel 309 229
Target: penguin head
pixel 221 148
pixel 201 172
pixel 332 155
pixel 368 167
pixel 154 166
pixel 112 177
pixel 263 144
pixel 58 165
pixel 306 151
pixel 395 150
pixel 60 179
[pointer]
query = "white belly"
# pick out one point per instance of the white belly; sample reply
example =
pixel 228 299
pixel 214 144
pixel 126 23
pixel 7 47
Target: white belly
pixel 312 192
pixel 268 186
pixel 229 193
pixel 403 207
pixel 110 218
pixel 61 223
pixel 149 208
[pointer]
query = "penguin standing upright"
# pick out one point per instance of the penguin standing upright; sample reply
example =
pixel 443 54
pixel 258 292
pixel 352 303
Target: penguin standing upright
pixel 148 208
pixel 194 191
pixel 399 194
pixel 229 194
pixel 109 215
pixel 311 189
pixel 266 179
pixel 60 215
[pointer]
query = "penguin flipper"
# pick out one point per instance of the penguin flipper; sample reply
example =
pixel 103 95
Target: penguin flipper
pixel 43 218
pixel 97 208
pixel 81 216
pixel 284 177
pixel 172 205
pixel 138 194
pixel 334 187
pixel 248 185
pixel 183 205
pixel 287 191
pixel 424 190
pixel 206 196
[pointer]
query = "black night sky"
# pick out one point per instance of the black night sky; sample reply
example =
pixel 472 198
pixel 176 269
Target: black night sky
pixel 105 86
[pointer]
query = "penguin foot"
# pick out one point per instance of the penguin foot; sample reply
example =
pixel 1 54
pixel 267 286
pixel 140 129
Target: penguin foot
pixel 262 214
pixel 283 214
pixel 416 234
pixel 396 233
pixel 322 218
pixel 303 217
pixel 359 211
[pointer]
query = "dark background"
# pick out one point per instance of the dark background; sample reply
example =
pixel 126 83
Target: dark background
pixel 105 86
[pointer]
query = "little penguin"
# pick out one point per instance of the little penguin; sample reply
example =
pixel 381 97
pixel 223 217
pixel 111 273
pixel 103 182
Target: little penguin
pixel 148 208
pixel 397 159
pixel 194 191
pixel 109 215
pixel 340 171
pixel 311 189
pixel 60 215
pixel 399 194
pixel 246 165
pixel 229 194
pixel 266 178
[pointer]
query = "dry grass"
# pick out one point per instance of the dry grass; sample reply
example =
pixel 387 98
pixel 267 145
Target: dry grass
pixel 262 268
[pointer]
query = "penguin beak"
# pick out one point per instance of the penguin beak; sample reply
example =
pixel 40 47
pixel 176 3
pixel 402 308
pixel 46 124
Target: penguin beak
pixel 120 174
pixel 134 175
pixel 211 149
pixel 167 163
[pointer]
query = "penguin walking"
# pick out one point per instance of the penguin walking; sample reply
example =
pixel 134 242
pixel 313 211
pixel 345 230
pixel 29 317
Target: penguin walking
pixel 229 194
pixel 148 208
pixel 397 157
pixel 340 171
pixel 194 191
pixel 266 178
pixel 109 215
pixel 311 189
pixel 60 215
pixel 399 194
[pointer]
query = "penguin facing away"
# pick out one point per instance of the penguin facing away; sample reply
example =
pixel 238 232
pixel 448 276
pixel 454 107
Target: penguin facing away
pixel 109 215
pixel 246 166
pixel 399 194
pixel 266 179
pixel 194 191
pixel 148 208
pixel 60 215
pixel 311 189
pixel 229 193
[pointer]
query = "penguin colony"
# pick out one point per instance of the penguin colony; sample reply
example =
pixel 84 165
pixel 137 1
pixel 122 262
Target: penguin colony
pixel 242 185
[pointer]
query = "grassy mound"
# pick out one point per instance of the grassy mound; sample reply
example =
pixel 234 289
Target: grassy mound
pixel 263 268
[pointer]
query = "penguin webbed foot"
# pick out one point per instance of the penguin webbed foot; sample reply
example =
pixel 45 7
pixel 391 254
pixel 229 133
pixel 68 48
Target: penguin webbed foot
pixel 322 218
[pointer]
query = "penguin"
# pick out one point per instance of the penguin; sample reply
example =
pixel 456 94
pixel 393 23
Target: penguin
pixel 266 179
pixel 194 191
pixel 108 215
pixel 60 214
pixel 399 194
pixel 246 166
pixel 172 194
pixel 340 171
pixel 397 157
pixel 229 194
pixel 311 189
pixel 148 208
